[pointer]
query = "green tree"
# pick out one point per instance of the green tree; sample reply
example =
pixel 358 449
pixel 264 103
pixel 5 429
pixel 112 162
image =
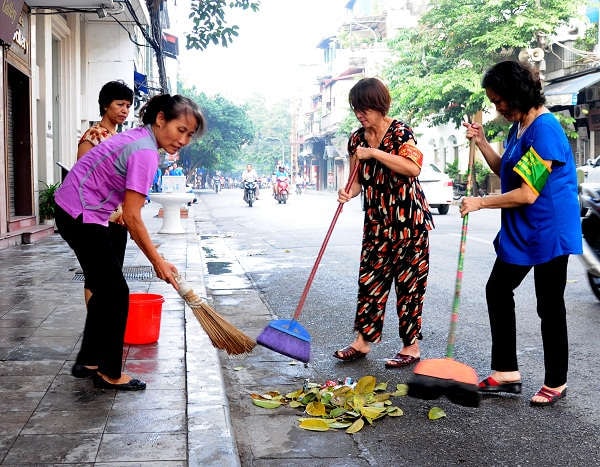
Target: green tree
pixel 437 74
pixel 228 130
pixel 210 24
pixel 272 123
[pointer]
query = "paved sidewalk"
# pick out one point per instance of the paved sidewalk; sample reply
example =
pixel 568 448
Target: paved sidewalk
pixel 49 417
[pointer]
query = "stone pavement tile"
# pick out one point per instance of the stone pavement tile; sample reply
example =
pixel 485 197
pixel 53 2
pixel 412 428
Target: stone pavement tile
pixel 25 383
pixel 44 348
pixel 53 449
pixel 19 401
pixel 151 398
pixel 210 437
pixel 82 420
pixel 146 421
pixel 119 448
pixel 11 424
pixel 73 394
pixel 170 366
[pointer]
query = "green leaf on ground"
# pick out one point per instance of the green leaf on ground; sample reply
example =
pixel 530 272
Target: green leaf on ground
pixel 435 413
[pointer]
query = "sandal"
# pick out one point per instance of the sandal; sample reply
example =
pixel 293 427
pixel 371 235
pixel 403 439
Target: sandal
pixel 490 385
pixel 349 354
pixel 401 360
pixel 551 396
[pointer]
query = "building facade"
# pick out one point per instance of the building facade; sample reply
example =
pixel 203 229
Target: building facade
pixel 54 63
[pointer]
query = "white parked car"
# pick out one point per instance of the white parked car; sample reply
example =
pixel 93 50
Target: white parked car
pixel 437 187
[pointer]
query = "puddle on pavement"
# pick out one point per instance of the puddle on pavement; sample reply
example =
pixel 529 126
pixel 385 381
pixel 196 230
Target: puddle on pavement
pixel 218 267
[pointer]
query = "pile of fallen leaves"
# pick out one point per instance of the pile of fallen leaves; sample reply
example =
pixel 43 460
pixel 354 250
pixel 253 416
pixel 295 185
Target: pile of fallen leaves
pixel 338 407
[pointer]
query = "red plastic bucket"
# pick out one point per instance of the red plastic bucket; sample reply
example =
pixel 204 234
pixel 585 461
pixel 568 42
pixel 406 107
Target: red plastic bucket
pixel 143 320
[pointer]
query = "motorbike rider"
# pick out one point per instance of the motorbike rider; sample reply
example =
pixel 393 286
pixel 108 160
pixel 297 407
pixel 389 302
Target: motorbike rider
pixel 280 175
pixel 250 175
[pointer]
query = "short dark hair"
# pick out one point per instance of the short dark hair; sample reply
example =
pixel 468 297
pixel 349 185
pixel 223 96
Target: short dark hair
pixel 370 94
pixel 172 107
pixel 519 85
pixel 113 91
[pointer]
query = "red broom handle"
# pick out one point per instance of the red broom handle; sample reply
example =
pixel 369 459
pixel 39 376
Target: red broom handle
pixel 313 272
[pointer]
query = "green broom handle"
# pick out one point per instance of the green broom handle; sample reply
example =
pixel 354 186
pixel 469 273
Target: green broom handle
pixel 461 256
pixel 324 245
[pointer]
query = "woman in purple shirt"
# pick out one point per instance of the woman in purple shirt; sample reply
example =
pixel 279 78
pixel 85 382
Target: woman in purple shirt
pixel 118 171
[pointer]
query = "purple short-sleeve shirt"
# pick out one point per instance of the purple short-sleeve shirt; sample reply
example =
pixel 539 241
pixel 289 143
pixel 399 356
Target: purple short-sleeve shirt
pixel 96 184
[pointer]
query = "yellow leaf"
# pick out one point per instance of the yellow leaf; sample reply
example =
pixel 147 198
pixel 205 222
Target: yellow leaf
pixel 371 412
pixel 381 387
pixel 314 424
pixel 358 401
pixel 294 395
pixel 238 368
pixel 401 390
pixel 365 385
pixel 316 409
pixel 436 413
pixel 295 404
pixel 394 412
pixel 266 404
pixel 356 426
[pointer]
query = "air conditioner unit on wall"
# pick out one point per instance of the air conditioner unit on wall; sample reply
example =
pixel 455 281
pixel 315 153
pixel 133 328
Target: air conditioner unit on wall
pixel 582 111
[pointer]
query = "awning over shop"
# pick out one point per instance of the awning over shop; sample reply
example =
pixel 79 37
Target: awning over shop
pixel 565 92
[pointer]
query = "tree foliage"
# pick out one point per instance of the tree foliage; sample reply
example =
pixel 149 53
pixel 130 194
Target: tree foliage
pixel 437 73
pixel 228 130
pixel 272 123
pixel 209 23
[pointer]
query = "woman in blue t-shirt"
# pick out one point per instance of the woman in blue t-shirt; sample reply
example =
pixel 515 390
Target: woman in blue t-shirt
pixel 540 226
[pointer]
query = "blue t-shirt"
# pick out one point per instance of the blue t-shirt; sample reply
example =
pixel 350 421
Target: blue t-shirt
pixel 550 227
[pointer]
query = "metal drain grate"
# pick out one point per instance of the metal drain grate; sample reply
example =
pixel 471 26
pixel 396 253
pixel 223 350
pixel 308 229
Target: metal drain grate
pixel 131 273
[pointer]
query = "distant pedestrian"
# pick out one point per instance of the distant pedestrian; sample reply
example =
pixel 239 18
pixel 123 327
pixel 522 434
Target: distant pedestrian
pixel 540 226
pixel 175 170
pixel 120 170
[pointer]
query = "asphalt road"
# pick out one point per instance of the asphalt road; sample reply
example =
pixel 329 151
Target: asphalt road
pixel 276 246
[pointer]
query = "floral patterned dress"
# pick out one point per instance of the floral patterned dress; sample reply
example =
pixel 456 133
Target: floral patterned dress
pixel 395 245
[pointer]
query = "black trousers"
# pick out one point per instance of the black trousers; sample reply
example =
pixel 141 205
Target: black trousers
pixel 550 279
pixel 101 262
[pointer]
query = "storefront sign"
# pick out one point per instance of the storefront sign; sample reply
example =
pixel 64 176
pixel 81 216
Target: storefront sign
pixel 10 11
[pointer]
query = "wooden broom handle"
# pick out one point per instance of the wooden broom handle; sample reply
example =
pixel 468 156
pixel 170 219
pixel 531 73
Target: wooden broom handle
pixel 313 272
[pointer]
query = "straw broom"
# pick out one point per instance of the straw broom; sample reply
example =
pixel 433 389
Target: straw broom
pixel 222 334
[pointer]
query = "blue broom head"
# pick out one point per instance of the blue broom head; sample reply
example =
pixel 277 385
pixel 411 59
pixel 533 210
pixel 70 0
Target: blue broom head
pixel 281 339
pixel 291 327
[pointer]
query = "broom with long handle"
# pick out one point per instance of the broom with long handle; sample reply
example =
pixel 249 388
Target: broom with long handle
pixel 287 336
pixel 436 377
pixel 222 334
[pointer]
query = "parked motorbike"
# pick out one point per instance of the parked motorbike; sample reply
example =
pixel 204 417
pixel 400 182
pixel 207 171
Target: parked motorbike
pixel 298 188
pixel 249 192
pixel 590 225
pixel 282 191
